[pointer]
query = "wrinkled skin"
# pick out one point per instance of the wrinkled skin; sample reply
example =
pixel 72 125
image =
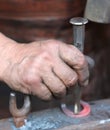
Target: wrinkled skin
pixel 42 68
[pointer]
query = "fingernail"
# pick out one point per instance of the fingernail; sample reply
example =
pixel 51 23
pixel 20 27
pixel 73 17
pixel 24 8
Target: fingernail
pixel 86 83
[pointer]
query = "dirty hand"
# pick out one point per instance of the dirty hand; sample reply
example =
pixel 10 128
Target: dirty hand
pixel 42 68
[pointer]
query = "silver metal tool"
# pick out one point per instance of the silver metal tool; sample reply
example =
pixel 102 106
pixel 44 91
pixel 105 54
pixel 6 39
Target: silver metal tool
pixel 78 36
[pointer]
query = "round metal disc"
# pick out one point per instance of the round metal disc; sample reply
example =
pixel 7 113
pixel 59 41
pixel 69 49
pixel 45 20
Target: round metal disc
pixel 78 21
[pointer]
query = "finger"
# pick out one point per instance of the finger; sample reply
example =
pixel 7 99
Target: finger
pixel 90 61
pixel 65 73
pixel 73 57
pixel 54 84
pixel 41 91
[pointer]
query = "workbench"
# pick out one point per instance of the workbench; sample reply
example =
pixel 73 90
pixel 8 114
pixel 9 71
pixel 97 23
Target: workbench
pixel 55 119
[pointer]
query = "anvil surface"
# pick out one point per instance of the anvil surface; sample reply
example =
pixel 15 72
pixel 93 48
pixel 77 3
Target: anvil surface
pixel 55 119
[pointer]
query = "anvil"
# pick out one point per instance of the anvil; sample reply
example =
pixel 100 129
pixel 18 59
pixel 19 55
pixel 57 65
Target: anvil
pixel 55 119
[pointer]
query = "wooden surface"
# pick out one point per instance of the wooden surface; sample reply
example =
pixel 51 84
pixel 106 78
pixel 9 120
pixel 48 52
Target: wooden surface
pixel 40 9
pixel 29 20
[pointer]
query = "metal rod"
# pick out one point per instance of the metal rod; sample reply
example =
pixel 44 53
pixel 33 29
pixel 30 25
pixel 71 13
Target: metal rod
pixel 78 36
pixel 19 115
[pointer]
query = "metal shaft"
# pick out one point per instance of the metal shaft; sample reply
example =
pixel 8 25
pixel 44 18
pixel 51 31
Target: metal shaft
pixel 78 36
pixel 19 115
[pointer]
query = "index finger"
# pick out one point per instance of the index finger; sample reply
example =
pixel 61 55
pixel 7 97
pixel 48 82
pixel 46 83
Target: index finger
pixel 74 58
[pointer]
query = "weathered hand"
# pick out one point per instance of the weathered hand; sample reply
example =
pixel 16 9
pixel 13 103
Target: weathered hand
pixel 45 68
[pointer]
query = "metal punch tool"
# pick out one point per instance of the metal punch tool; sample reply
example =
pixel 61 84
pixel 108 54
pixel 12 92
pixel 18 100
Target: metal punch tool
pixel 80 108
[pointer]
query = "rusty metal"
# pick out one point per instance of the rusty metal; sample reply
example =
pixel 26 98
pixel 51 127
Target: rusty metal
pixel 19 115
pixel 54 119
pixel 98 11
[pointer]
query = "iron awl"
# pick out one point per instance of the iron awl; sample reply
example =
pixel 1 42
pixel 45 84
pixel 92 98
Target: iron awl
pixel 78 36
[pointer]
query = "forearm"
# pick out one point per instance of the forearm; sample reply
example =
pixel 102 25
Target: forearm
pixel 7 51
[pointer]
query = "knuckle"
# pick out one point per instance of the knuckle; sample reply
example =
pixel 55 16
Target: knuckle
pixel 54 43
pixel 60 90
pixel 29 79
pixel 84 74
pixel 45 55
pixel 72 79
pixel 46 96
pixel 82 62
pixel 42 92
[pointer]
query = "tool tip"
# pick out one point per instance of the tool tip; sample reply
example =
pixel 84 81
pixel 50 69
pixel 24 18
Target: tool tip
pixel 84 112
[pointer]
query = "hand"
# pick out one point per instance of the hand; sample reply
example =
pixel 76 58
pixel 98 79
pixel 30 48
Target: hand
pixel 45 68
